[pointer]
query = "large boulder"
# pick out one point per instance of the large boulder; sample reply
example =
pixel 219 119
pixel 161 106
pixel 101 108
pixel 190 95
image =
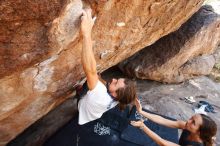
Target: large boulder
pixel 40 48
pixel 180 55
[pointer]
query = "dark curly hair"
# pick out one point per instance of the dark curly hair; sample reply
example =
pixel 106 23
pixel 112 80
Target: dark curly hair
pixel 127 94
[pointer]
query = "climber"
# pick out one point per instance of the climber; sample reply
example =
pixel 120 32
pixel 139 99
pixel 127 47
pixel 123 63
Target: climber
pixel 99 99
pixel 199 130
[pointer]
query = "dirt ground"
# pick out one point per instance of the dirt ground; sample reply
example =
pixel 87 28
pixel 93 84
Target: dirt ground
pixel 166 98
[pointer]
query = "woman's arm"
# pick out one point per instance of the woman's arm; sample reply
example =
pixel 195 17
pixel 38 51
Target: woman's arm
pixel 158 119
pixel 160 141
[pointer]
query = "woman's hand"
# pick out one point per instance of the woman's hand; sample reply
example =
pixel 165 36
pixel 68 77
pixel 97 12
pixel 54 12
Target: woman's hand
pixel 138 124
pixel 138 105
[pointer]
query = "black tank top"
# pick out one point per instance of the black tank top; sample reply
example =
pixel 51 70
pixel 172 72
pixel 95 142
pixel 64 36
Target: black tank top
pixel 184 142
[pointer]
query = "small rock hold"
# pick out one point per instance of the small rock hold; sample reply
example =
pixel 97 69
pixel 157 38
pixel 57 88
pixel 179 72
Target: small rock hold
pixel 103 54
pixel 120 24
pixel 17 23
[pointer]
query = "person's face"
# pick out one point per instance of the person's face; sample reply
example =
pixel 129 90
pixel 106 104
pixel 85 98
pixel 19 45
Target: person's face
pixel 194 123
pixel 115 84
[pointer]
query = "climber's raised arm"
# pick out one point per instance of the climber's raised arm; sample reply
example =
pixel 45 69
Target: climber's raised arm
pixel 87 56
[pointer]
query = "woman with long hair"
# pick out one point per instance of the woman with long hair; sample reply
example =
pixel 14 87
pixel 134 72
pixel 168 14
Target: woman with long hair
pixel 199 130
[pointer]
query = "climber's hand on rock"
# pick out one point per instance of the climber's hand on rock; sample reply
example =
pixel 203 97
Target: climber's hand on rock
pixel 87 22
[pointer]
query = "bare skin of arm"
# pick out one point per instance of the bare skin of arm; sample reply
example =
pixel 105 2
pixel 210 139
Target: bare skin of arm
pixel 87 55
pixel 158 119
pixel 160 141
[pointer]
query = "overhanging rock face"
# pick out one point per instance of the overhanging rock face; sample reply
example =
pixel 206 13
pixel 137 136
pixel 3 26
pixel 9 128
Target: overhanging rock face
pixel 177 56
pixel 40 48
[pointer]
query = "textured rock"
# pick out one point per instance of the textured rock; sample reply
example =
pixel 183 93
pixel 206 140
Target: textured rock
pixel 215 73
pixel 177 56
pixel 40 131
pixel 40 48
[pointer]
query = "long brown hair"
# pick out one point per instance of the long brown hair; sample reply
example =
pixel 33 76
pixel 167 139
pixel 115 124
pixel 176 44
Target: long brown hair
pixel 207 130
pixel 127 94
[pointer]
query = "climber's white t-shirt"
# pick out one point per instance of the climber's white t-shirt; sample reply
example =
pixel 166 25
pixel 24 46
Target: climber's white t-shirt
pixel 95 103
